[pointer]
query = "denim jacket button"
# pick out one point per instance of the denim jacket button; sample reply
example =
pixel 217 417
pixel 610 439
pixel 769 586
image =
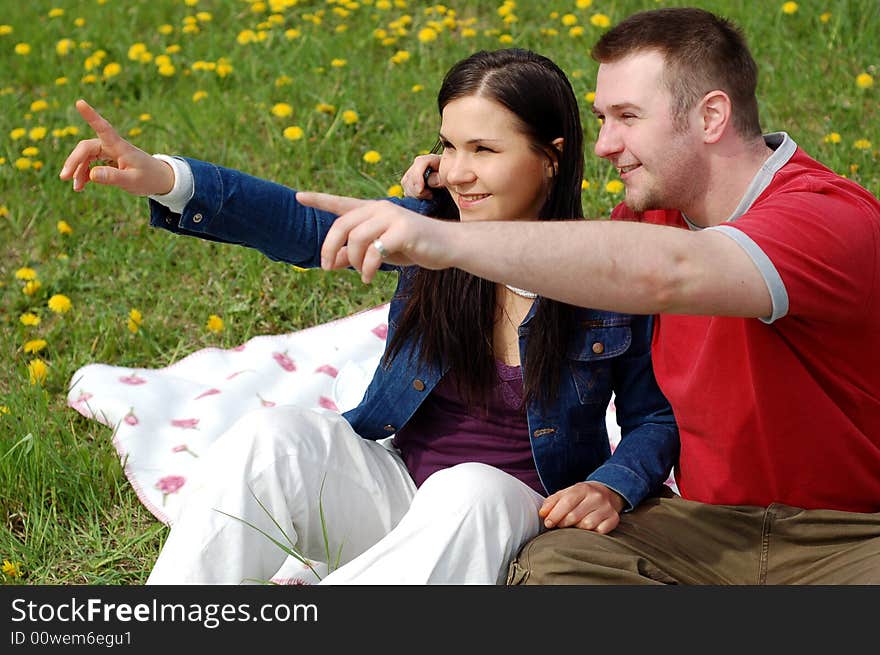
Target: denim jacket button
pixel 418 385
pixel 390 428
pixel 197 218
pixel 598 348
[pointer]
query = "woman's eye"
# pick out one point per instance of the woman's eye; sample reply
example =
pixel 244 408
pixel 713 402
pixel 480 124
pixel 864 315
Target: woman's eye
pixel 484 149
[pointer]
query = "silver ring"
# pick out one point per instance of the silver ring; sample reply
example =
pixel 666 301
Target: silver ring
pixel 380 249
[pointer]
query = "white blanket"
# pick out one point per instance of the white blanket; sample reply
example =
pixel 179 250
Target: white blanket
pixel 163 419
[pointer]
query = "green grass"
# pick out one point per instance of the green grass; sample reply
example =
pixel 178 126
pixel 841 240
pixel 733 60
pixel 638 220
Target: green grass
pixel 69 515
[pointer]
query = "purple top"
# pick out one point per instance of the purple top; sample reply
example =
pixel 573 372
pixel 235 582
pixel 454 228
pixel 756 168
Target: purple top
pixel 444 431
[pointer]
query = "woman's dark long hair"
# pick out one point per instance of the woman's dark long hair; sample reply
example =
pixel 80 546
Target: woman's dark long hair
pixel 451 313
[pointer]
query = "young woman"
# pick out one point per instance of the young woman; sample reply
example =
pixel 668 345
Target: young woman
pixel 496 399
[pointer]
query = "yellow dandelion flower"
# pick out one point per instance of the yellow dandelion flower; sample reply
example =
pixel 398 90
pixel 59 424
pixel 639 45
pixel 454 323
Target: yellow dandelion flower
pixel 64 47
pixel 10 569
pixel 505 39
pixel 400 57
pixel 166 70
pixel 26 273
pixel 417 88
pixel 576 31
pixel 204 16
pixel 166 29
pixel 338 63
pixel 17 133
pixel 825 17
pixel 145 118
pixel 293 133
pixel 831 137
pixel 55 12
pixel 292 34
pixel 135 320
pixel 5 29
pixel 71 130
pixel 61 81
pixel 4 410
pixel 29 319
pixel 135 50
pixel 224 68
pixel 22 49
pixel 37 165
pixel 282 110
pixel 34 346
pixel 372 157
pixel 324 108
pixel 350 117
pixel 427 34
pixel 112 70
pixel 214 324
pixel 614 186
pixel 864 81
pixel 64 227
pixel 37 371
pixel 862 144
pixel 199 95
pixel 395 191
pixel 600 20
pixel 245 37
pixel 569 19
pixel 468 33
pixel 79 22
pixel 585 184
pixel 42 105
pixel 283 80
pixel 583 4
pixel 31 287
pixel 4 210
pixel 37 133
pixel 23 163
pixel 59 303
pixel 789 8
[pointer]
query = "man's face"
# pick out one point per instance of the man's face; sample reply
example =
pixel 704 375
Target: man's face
pixel 659 164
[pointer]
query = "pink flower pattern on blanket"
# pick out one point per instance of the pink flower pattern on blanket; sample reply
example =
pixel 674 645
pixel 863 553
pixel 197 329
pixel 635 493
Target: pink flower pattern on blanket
pixel 183 448
pixel 209 392
pixel 329 370
pixel 130 418
pixel 381 331
pixel 81 404
pixel 132 379
pixel 170 484
pixel 284 361
pixel 185 423
pixel 327 403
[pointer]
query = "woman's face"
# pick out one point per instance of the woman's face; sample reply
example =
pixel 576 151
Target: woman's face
pixel 488 165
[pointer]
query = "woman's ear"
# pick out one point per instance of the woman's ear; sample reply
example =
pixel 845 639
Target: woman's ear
pixel 553 157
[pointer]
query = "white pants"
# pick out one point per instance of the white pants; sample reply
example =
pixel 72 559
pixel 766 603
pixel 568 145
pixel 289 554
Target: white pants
pixel 288 465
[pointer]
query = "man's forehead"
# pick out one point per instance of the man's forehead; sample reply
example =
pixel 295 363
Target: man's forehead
pixel 634 79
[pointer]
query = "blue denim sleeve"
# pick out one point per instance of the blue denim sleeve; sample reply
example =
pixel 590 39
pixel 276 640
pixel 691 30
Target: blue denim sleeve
pixel 232 207
pixel 649 444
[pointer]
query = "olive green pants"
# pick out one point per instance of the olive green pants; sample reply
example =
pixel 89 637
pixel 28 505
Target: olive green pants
pixel 669 540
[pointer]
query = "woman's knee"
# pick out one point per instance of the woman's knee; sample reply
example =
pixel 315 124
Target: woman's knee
pixel 473 484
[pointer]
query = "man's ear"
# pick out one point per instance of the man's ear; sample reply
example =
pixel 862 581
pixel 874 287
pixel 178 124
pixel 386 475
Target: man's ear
pixel 715 114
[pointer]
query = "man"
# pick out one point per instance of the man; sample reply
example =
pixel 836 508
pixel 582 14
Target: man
pixel 764 269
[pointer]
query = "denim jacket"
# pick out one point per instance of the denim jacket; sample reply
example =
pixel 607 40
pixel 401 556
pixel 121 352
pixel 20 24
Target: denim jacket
pixel 609 353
